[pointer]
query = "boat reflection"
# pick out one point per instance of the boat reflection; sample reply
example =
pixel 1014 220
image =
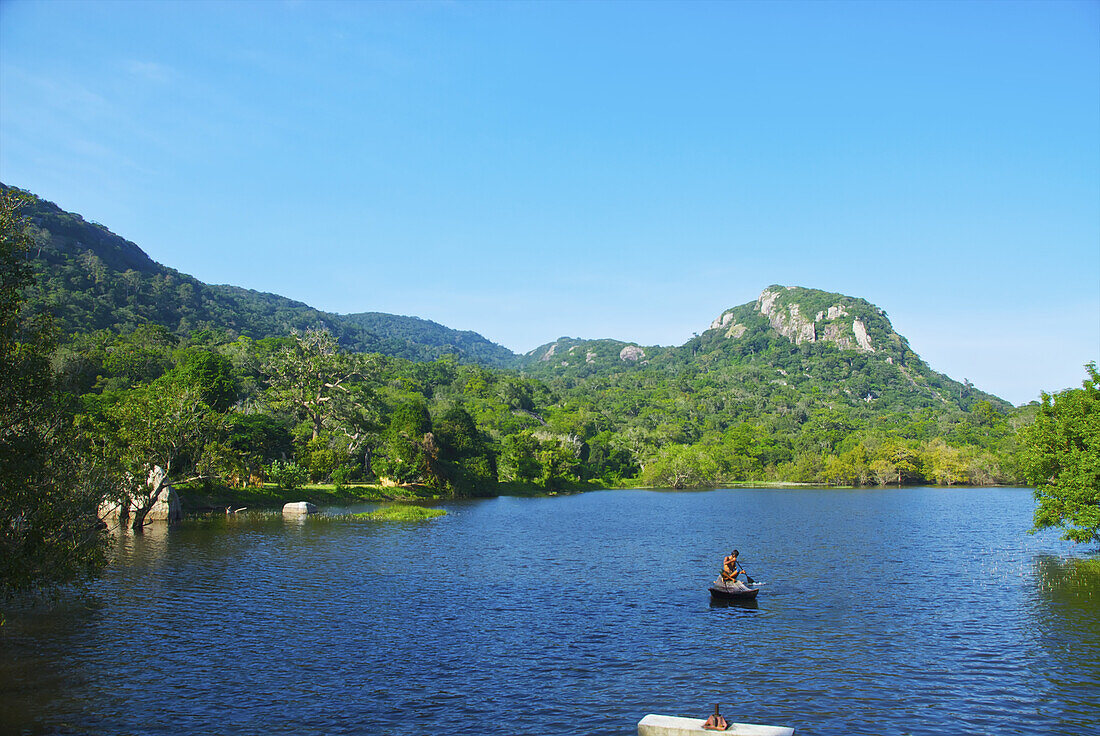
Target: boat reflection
pixel 750 604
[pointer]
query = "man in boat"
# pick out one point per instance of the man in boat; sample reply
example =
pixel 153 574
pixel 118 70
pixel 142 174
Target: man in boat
pixel 731 569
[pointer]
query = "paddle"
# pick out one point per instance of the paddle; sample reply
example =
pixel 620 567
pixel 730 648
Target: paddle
pixel 747 577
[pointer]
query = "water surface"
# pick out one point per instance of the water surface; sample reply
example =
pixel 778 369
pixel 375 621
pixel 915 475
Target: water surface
pixel 915 611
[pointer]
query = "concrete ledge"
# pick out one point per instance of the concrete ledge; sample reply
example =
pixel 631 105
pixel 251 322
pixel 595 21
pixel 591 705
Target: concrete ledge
pixel 654 725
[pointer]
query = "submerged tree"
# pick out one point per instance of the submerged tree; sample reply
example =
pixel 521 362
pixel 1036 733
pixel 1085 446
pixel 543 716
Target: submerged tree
pixel 158 436
pixel 49 488
pixel 1060 456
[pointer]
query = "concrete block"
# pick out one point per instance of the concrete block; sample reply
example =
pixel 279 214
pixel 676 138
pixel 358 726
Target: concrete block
pixel 654 725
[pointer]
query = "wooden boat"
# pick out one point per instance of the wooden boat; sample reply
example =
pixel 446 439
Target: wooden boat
pixel 722 593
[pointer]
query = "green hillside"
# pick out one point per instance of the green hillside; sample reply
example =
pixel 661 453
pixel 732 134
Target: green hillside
pixel 789 347
pixel 89 279
pixel 800 385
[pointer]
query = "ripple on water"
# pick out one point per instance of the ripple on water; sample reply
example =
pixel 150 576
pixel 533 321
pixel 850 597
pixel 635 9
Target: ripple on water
pixel 921 611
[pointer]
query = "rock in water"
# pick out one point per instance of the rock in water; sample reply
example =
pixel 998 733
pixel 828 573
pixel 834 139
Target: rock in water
pixel 299 508
pixel 167 508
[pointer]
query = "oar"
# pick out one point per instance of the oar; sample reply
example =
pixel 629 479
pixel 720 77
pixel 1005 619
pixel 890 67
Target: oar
pixel 751 581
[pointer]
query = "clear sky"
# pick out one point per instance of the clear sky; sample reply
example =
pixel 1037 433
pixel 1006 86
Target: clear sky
pixel 626 170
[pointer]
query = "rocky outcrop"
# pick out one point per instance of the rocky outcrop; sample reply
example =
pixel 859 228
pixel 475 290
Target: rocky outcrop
pixel 726 319
pixel 631 353
pixel 828 325
pixel 786 319
pixel 119 511
pixel 862 338
pixel 299 508
pixel 722 321
pixel 159 502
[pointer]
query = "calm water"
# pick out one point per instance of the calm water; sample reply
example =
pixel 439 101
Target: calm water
pixel 920 611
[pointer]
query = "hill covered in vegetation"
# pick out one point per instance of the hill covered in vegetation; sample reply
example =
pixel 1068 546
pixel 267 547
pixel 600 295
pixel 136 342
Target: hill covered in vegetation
pixel 89 278
pixel 800 385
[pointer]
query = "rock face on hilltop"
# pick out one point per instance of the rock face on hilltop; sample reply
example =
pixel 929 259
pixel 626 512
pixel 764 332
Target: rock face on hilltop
pixel 789 346
pixel 571 352
pixel 813 316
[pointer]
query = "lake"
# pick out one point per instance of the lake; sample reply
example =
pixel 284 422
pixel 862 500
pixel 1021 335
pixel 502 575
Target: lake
pixel 912 611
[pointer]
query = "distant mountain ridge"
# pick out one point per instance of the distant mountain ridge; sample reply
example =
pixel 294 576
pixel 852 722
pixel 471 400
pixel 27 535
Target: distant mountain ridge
pixel 811 340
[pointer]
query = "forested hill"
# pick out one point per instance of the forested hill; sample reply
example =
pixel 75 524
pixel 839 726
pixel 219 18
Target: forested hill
pixel 799 385
pixel 400 330
pixel 790 346
pixel 89 279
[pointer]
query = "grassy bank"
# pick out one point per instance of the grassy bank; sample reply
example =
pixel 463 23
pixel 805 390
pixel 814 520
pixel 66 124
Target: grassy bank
pixel 199 498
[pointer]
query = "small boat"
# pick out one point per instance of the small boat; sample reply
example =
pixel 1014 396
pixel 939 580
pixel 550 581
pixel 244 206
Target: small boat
pixel 722 592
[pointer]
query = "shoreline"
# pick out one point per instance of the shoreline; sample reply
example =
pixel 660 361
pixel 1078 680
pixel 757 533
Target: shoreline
pixel 221 499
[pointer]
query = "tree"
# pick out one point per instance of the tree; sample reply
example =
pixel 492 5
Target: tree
pixel 212 373
pixel 467 463
pixel 519 457
pixel 323 385
pixel 157 436
pixel 560 461
pixel 1060 456
pixel 409 446
pixel 49 488
pixel 894 462
pixel 682 466
pixel 257 440
pixel 945 465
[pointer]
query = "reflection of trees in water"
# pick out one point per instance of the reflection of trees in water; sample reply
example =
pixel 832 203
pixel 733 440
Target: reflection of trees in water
pixel 145 547
pixel 38 633
pixel 1068 623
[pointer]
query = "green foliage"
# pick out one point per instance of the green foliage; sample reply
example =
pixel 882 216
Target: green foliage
pixel 409 449
pixel 519 458
pixel 91 279
pixel 311 377
pixel 343 475
pixel 682 466
pixel 738 403
pixel 50 486
pixel 468 466
pixel 401 513
pixel 287 475
pixel 424 340
pixel 140 357
pixel 1060 456
pixel 212 374
pixel 258 439
pixel 155 435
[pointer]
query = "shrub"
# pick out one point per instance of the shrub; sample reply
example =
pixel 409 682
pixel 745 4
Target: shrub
pixel 286 475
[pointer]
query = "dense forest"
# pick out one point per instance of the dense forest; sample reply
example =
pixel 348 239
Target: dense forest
pixel 88 278
pixel 220 384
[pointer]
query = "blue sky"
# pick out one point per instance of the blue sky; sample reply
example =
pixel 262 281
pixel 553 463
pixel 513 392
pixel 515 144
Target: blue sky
pixel 627 170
